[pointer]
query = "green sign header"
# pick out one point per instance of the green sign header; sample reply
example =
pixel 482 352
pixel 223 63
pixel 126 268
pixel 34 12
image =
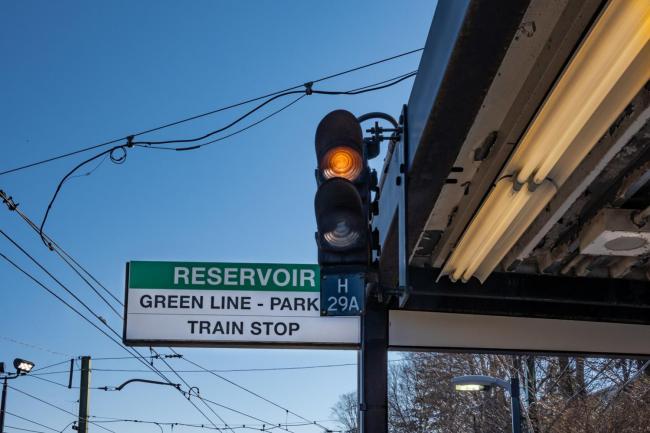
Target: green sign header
pixel 224 276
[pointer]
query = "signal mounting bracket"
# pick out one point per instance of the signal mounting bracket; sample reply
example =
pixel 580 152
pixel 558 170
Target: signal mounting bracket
pixel 402 231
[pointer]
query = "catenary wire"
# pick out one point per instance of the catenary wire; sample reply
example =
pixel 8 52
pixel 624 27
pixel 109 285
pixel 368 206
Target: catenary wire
pixel 55 406
pixel 13 206
pixel 70 292
pixel 189 394
pixel 157 355
pixel 15 265
pixel 30 420
pixel 185 393
pixel 34 346
pixel 243 388
pixel 50 365
pixel 232 370
pixel 208 113
pixel 53 381
pixel 98 317
pixel 24 429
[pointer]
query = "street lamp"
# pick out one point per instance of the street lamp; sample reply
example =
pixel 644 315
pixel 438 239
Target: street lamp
pixel 22 367
pixel 484 383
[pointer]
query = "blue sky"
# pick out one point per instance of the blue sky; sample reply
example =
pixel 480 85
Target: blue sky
pixel 76 73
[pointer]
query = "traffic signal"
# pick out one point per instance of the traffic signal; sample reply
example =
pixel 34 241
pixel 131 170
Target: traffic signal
pixel 342 201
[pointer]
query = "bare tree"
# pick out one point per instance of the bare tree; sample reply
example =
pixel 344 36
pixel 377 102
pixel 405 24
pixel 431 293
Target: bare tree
pixel 559 395
pixel 345 412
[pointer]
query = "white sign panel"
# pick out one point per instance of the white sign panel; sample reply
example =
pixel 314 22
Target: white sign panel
pixel 228 304
pixel 419 330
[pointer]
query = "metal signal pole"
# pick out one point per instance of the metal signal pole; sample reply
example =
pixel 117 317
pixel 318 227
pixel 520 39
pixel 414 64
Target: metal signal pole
pixel 2 405
pixel 84 391
pixel 373 369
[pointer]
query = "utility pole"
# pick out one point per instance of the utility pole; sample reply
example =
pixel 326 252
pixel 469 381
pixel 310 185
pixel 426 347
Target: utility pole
pixel 516 405
pixel 84 391
pixel 2 405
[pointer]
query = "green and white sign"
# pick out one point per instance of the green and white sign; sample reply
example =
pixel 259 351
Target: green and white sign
pixel 230 304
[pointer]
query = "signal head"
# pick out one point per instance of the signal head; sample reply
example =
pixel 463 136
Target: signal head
pixel 339 147
pixel 342 223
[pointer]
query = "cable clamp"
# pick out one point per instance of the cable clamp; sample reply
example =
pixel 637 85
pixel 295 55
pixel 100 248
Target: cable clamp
pixel 308 88
pixel 9 201
pixel 129 141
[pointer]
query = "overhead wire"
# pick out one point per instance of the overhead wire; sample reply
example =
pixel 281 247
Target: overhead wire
pixel 31 420
pixel 33 346
pixel 50 365
pixel 189 394
pixel 140 358
pixel 54 246
pixel 87 307
pixel 158 355
pixel 232 370
pixel 24 429
pixel 130 143
pixel 184 393
pixel 308 90
pixel 208 113
pixel 239 131
pixel 52 381
pixel 55 406
pixel 119 159
pixel 243 388
pixel 137 355
pixel 70 292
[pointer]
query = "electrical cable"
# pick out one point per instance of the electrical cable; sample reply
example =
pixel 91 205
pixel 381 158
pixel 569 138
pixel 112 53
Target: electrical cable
pixel 223 128
pixel 239 131
pixel 189 393
pixel 53 246
pixel 24 429
pixel 70 292
pixel 52 381
pixel 92 277
pixel 34 346
pixel 241 413
pixel 50 365
pixel 88 320
pixel 55 406
pixel 32 421
pixel 92 170
pixel 185 393
pixel 305 92
pixel 243 388
pixel 99 317
pixel 158 355
pixel 218 110
pixel 233 370
pixel 404 76
pixel 145 144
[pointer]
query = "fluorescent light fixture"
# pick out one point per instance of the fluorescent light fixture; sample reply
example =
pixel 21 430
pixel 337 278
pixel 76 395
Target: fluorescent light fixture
pixel 608 69
pixel 471 387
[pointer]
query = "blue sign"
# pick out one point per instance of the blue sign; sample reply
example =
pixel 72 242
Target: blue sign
pixel 342 294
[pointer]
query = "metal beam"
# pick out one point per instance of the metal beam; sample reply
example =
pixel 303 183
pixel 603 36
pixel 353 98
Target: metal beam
pixel 420 330
pixel 464 48
pixel 527 295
